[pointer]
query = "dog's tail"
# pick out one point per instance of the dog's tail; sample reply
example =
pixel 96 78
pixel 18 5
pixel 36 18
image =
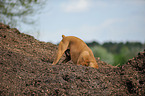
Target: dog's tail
pixel 63 36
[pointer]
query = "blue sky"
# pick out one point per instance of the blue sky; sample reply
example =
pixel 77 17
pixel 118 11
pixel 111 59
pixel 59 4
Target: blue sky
pixel 91 20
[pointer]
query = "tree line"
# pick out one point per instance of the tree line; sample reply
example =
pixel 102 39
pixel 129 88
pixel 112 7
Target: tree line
pixel 116 53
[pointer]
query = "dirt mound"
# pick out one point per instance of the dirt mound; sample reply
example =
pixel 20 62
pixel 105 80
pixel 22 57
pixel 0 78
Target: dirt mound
pixel 133 74
pixel 26 70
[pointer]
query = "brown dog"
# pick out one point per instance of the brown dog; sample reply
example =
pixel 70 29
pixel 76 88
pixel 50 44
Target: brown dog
pixel 80 53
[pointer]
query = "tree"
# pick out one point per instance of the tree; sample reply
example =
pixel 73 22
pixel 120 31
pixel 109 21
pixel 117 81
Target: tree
pixel 103 54
pixel 14 11
pixel 122 57
pixel 93 43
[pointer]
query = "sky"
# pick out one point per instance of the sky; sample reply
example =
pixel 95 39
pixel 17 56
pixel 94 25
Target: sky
pixel 91 20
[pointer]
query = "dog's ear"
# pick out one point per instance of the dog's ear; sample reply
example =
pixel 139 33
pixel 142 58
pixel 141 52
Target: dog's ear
pixel 63 36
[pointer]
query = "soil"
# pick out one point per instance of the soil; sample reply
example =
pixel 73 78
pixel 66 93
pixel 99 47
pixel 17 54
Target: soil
pixel 25 69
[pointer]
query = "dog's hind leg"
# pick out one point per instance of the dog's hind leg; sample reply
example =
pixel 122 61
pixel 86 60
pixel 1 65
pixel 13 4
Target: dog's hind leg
pixel 83 59
pixel 63 45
